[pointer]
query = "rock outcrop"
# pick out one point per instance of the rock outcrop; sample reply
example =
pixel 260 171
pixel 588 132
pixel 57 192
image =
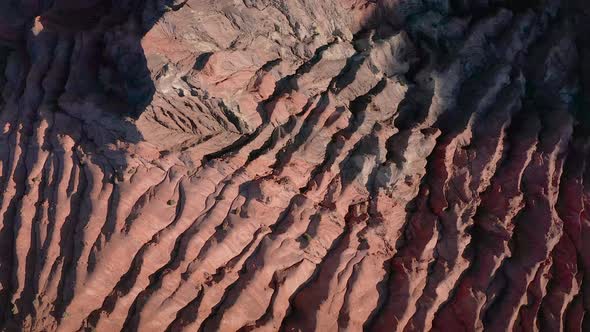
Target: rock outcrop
pixel 309 165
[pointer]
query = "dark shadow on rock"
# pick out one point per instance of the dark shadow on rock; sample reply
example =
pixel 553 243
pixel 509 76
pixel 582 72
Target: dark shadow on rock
pixel 93 75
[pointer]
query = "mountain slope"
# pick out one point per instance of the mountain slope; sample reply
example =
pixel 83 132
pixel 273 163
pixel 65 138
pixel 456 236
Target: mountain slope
pixel 289 165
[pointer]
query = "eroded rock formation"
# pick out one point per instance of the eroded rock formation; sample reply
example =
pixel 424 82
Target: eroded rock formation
pixel 201 165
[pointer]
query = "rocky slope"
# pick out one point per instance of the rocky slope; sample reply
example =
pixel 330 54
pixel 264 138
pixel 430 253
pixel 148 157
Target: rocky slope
pixel 203 165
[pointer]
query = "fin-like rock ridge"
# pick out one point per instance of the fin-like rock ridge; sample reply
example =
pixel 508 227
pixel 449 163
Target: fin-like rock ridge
pixel 281 165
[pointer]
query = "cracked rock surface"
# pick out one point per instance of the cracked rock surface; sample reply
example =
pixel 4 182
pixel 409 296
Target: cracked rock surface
pixel 294 165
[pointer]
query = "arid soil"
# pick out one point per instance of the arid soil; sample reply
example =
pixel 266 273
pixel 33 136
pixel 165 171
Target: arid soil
pixel 294 165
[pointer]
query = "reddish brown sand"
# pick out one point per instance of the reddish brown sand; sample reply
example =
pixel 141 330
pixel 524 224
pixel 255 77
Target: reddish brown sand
pixel 294 165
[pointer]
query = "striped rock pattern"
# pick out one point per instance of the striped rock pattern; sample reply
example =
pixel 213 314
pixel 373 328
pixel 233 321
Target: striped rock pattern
pixel 266 165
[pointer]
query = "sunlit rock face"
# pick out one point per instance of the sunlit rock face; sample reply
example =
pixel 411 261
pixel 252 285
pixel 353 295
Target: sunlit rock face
pixel 294 165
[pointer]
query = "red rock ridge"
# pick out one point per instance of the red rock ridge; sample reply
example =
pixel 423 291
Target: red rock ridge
pixel 282 165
